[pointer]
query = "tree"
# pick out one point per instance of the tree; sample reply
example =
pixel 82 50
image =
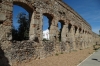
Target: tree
pixel 14 33
pixel 23 30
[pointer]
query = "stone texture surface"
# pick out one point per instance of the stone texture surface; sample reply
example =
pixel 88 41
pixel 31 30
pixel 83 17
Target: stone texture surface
pixel 75 33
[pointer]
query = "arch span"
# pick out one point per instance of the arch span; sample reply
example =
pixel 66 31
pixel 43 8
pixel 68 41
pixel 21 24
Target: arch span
pixel 24 4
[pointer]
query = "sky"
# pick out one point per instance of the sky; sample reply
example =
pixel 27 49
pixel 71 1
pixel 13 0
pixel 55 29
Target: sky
pixel 88 9
pixel 16 11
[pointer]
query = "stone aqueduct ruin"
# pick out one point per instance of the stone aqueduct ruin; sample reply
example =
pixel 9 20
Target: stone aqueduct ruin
pixel 75 32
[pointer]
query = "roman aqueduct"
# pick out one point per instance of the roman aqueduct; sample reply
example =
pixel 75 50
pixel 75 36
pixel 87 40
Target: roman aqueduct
pixel 75 32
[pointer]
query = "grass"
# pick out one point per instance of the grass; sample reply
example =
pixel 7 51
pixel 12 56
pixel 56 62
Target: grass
pixel 61 53
pixel 56 54
pixel 74 50
pixel 96 47
pixel 80 49
pixel 80 61
pixel 89 53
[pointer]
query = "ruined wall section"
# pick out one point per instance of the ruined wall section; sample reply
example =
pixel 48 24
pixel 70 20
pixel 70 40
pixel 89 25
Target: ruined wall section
pixel 59 11
pixel 77 20
pixel 96 38
pixel 5 19
pixel 35 47
pixel 5 27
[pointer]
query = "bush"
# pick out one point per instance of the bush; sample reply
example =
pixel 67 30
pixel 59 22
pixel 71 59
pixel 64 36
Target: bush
pixel 56 54
pixel 44 39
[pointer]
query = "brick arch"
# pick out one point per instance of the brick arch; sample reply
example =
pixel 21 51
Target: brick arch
pixel 24 4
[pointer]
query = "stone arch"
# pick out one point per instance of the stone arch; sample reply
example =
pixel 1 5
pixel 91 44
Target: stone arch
pixel 50 24
pixel 61 30
pixel 27 6
pixel 76 29
pixel 80 30
pixel 62 23
pixel 85 32
pixel 88 32
pixel 69 27
pixel 50 17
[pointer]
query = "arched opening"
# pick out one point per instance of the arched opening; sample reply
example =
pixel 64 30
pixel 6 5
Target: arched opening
pixel 21 21
pixel 75 29
pixel 1 22
pixel 83 31
pixel 60 27
pixel 79 30
pixel 28 8
pixel 69 27
pixel 47 19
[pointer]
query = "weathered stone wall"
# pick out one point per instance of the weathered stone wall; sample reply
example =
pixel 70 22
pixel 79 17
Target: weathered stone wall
pixel 96 38
pixel 75 33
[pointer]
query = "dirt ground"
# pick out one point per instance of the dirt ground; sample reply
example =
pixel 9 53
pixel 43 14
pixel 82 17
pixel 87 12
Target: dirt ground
pixel 69 59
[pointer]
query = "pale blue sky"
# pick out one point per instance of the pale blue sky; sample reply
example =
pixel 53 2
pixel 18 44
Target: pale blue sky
pixel 88 9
